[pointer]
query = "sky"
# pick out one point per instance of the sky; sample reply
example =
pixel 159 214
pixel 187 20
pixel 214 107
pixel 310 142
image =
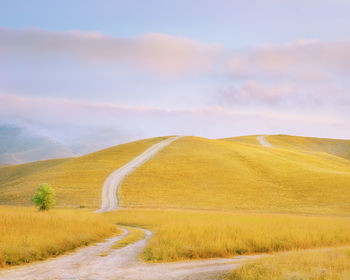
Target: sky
pixel 107 72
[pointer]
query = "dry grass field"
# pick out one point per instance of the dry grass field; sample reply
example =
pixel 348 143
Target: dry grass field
pixel 76 181
pixel 202 198
pixel 27 234
pixel 323 265
pixel 313 145
pixel 199 173
pixel 337 147
pixel 182 235
pixel 249 139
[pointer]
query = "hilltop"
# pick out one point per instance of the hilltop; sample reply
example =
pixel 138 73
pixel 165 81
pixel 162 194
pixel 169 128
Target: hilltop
pixel 337 147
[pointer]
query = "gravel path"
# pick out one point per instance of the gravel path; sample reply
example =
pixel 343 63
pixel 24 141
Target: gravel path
pixel 110 187
pixel 262 140
pixel 100 262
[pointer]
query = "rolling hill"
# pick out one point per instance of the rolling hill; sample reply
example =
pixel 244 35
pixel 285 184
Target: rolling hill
pixel 219 174
pixel 77 181
pixel 297 175
pixel 312 145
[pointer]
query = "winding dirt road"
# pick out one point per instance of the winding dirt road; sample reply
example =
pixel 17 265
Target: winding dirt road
pixel 100 262
pixel 262 140
pixel 110 187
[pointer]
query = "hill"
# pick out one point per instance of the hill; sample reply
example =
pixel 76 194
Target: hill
pixel 337 147
pixel 20 145
pixel 77 181
pixel 220 174
pixel 198 173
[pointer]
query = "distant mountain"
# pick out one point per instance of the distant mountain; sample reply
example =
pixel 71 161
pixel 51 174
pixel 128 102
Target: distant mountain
pixel 21 144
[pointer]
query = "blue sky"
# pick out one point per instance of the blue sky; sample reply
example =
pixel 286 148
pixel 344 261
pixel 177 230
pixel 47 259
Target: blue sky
pixel 236 24
pixel 146 68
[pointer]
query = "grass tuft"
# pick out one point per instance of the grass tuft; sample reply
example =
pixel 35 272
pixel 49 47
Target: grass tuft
pixel 133 236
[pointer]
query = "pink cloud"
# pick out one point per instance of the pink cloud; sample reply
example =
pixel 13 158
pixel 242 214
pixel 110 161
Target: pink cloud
pixel 301 85
pixel 159 53
pixel 308 60
pixel 253 92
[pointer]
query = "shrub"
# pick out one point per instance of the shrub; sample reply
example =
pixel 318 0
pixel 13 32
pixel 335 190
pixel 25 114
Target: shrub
pixel 44 197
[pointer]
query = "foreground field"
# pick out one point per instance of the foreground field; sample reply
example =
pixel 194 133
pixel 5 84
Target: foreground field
pixel 200 173
pixel 182 235
pixel 178 235
pixel 77 181
pixel 102 262
pixel 330 264
pixel 27 234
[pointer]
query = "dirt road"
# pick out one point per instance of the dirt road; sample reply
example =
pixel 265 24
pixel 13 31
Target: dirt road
pixel 100 262
pixel 262 140
pixel 113 181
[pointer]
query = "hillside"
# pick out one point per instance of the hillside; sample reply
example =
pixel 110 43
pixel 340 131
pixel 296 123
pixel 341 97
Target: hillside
pixel 77 181
pixel 337 147
pixel 199 173
pixel 219 174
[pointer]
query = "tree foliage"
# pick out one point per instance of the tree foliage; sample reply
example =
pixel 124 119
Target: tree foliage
pixel 44 197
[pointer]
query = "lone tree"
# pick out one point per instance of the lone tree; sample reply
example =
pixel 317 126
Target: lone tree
pixel 44 197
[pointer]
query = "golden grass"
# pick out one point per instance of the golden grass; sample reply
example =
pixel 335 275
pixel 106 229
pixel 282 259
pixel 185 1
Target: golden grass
pixel 249 139
pixel 133 236
pixel 331 265
pixel 27 235
pixel 199 173
pixel 76 181
pixel 192 173
pixel 181 235
pixel 335 147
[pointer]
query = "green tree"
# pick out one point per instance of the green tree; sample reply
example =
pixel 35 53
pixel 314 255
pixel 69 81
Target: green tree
pixel 44 197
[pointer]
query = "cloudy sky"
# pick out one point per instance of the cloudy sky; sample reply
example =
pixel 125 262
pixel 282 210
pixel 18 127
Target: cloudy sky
pixel 106 72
